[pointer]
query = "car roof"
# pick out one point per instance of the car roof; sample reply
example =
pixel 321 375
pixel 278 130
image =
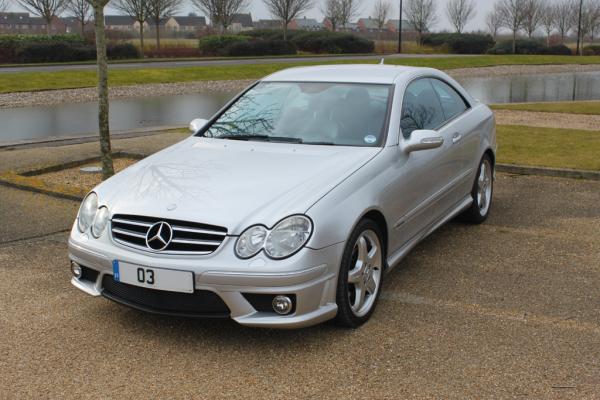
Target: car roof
pixel 348 73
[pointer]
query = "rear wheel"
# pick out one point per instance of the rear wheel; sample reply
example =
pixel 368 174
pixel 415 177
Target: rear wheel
pixel 361 275
pixel 483 189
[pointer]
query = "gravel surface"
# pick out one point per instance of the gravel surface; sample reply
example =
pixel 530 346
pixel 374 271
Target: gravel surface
pixel 53 97
pixel 82 95
pixel 548 120
pixel 507 309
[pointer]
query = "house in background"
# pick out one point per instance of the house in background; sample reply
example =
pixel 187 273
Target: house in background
pixel 123 23
pixel 241 23
pixel 11 22
pixel 267 24
pixel 392 25
pixel 307 24
pixel 190 23
pixel 368 25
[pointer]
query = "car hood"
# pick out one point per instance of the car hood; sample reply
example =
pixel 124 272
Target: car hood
pixel 231 183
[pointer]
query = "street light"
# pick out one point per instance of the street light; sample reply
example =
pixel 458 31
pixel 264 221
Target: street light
pixel 400 30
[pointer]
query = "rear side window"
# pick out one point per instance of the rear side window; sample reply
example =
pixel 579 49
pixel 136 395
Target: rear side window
pixel 452 103
pixel 421 108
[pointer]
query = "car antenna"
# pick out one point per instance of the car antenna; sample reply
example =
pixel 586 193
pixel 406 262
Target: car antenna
pixel 382 61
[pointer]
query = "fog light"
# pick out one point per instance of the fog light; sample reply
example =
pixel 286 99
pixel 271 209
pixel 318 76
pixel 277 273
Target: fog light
pixel 76 270
pixel 282 305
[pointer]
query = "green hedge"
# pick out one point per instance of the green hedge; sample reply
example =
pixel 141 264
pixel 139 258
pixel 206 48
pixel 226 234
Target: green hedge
pixel 529 46
pixel 215 45
pixel 332 42
pixel 592 50
pixel 59 51
pixel 71 38
pixel 260 48
pixel 460 43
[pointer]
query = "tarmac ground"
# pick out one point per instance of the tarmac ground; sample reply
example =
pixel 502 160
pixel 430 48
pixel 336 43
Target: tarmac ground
pixel 506 309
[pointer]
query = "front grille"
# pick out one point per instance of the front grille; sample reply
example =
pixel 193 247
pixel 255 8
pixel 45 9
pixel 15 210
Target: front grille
pixel 188 237
pixel 201 303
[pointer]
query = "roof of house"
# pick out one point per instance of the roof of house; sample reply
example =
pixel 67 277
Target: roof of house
pixel 190 20
pixel 406 26
pixel 307 23
pixel 267 24
pixel 118 20
pixel 355 73
pixel 368 23
pixel 243 19
pixel 14 18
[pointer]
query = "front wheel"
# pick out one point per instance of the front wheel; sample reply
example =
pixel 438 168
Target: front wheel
pixel 483 189
pixel 361 275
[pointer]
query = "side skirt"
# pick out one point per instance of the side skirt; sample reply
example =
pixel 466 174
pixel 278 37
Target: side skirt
pixel 398 255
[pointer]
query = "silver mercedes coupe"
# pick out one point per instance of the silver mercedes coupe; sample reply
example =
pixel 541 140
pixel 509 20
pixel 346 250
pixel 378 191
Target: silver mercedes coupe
pixel 289 206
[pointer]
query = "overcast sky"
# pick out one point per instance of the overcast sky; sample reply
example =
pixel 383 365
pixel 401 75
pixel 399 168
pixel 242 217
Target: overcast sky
pixel 259 11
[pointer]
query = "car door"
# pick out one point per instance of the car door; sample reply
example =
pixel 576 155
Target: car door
pixel 460 131
pixel 422 176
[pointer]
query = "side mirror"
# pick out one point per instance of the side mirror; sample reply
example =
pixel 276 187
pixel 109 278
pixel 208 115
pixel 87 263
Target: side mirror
pixel 197 124
pixel 421 139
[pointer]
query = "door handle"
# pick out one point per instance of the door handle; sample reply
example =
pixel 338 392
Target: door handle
pixel 456 137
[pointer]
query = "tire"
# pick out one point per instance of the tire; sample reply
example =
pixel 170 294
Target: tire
pixel 482 192
pixel 363 262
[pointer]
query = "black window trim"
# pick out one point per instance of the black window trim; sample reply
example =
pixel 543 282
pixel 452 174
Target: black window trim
pixel 446 121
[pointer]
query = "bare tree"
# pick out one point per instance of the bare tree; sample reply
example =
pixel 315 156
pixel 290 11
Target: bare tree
pixel 220 12
pixel 512 14
pixel 421 15
pixel 287 10
pixel 493 21
pixel 331 12
pixel 47 9
pixel 3 5
pixel 532 13
pixel 348 9
pixel 459 12
pixel 103 127
pixel 81 10
pixel 159 10
pixel 382 10
pixel 136 9
pixel 548 20
pixel 564 11
pixel 590 16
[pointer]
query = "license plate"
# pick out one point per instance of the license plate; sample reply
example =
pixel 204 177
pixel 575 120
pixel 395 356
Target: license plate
pixel 153 278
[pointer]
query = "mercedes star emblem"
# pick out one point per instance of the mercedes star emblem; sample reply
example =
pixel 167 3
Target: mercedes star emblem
pixel 159 236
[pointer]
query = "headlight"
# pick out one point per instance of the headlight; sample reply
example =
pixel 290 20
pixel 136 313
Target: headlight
pixel 251 241
pixel 100 222
pixel 87 211
pixel 286 238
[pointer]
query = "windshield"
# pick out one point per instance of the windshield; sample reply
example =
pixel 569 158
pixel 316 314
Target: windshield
pixel 306 112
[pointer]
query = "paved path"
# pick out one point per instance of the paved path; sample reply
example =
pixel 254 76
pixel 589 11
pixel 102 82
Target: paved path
pixel 200 63
pixel 502 310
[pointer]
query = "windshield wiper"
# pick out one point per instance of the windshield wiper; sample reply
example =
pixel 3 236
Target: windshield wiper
pixel 320 143
pixel 265 138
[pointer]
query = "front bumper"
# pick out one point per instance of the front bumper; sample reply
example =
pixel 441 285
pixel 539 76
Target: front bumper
pixel 310 276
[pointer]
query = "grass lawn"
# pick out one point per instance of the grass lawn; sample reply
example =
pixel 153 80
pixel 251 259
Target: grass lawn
pixel 570 107
pixel 32 81
pixel 549 147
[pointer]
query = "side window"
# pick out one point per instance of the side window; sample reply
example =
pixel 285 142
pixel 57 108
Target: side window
pixel 452 102
pixel 421 108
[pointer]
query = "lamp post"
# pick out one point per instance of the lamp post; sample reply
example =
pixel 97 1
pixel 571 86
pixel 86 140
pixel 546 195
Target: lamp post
pixel 400 30
pixel 579 38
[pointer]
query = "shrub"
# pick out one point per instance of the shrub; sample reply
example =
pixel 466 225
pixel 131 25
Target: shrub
pixel 460 43
pixel 173 52
pixel 55 52
pixel 332 42
pixel 557 50
pixel 523 46
pixel 121 51
pixel 260 48
pixel 592 50
pixel 71 38
pixel 214 45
